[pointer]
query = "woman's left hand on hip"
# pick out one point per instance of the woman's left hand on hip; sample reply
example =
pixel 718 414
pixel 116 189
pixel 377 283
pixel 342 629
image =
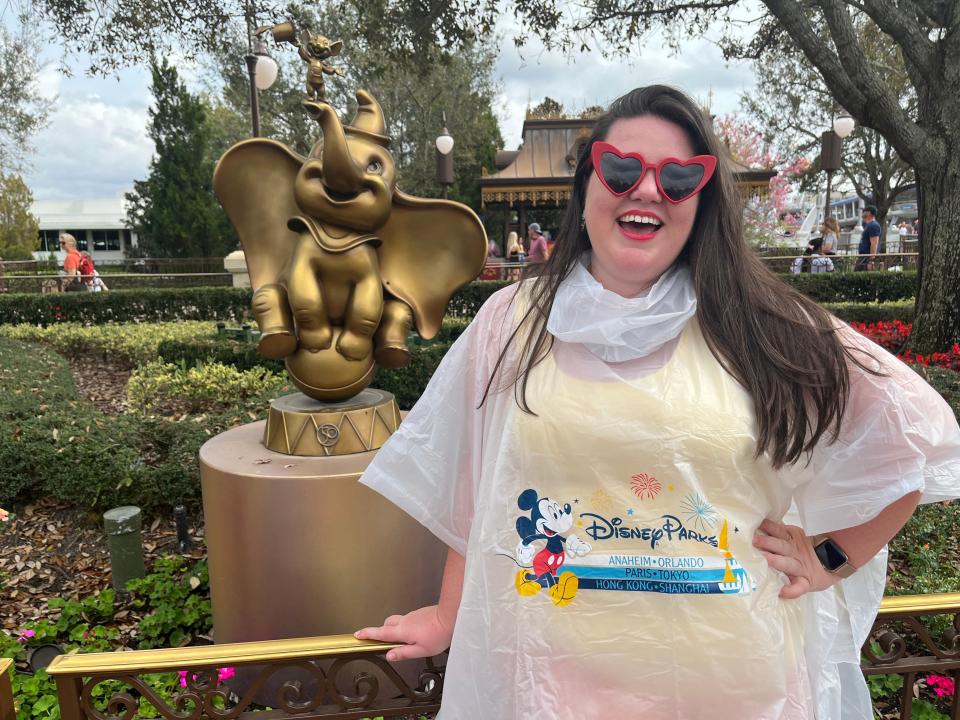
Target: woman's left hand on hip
pixel 788 549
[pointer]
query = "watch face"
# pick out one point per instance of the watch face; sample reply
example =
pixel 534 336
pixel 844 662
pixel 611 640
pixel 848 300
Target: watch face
pixel 830 554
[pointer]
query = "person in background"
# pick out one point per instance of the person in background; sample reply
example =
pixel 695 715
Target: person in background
pixel 550 242
pixel 812 260
pixel 90 275
pixel 71 263
pixel 537 249
pixel 904 231
pixel 869 239
pixel 831 235
pixel 493 250
pixel 515 252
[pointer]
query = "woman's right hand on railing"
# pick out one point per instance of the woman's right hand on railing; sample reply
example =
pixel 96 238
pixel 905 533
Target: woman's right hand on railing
pixel 423 631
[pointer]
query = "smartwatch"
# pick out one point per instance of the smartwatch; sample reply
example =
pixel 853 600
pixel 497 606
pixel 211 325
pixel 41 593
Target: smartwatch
pixel 832 557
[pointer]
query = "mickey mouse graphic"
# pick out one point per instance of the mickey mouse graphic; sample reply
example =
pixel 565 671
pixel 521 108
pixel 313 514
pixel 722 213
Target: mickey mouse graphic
pixel 547 520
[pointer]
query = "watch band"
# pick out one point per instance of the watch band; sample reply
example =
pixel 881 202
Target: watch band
pixel 843 569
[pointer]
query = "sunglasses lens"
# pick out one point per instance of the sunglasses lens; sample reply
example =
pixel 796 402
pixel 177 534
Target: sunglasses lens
pixel 620 174
pixel 679 181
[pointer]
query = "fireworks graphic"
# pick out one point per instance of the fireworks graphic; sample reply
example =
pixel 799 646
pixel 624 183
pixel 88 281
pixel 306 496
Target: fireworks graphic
pixel 601 501
pixel 699 512
pixel 645 487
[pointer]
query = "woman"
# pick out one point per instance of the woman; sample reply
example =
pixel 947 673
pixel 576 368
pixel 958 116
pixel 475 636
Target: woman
pixel 830 230
pixel 515 254
pixel 611 448
pixel 812 261
pixel 514 248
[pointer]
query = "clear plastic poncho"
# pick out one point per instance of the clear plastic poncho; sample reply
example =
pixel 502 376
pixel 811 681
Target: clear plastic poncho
pixel 609 564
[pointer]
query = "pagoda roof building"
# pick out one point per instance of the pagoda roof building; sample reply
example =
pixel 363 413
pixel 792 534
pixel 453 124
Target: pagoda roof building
pixel 541 170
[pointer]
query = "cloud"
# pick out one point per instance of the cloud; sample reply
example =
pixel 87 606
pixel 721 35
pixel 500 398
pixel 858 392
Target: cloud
pixel 92 148
pixel 586 79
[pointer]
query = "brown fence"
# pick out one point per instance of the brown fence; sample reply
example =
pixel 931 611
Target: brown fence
pixel 341 678
pixel 52 283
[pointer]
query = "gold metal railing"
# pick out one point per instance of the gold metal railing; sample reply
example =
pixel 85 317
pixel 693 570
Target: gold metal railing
pixel 7 709
pixel 907 647
pixel 329 677
pixel 348 679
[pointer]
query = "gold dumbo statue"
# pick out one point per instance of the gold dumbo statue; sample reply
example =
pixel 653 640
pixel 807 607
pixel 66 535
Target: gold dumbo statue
pixel 341 262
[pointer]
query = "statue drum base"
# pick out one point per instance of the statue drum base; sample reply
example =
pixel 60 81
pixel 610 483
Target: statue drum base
pixel 297 547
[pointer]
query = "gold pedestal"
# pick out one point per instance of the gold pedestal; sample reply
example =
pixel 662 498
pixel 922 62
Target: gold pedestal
pixel 297 547
pixel 300 425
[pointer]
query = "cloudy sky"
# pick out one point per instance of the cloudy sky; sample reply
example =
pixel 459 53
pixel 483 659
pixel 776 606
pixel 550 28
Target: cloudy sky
pixel 96 144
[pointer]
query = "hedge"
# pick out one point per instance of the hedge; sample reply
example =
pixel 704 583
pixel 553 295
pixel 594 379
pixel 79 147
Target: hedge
pixel 406 383
pixel 855 286
pixel 145 305
pixel 56 446
pixel 873 312
pixel 151 305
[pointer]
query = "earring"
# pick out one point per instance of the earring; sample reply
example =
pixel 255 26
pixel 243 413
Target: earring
pixel 583 222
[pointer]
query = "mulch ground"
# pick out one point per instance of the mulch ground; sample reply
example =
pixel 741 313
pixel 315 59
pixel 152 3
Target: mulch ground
pixel 52 550
pixel 101 383
pixel 55 550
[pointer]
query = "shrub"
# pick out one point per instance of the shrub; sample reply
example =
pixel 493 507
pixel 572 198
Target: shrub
pixel 143 305
pixel 467 300
pixel 200 387
pixel 873 312
pixel 237 353
pixel 855 286
pixel 408 383
pixel 54 445
pixel 131 343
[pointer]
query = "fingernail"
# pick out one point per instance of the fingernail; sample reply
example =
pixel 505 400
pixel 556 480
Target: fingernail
pixel 391 656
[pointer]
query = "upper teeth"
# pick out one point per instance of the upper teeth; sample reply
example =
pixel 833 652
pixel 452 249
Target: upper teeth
pixel 649 219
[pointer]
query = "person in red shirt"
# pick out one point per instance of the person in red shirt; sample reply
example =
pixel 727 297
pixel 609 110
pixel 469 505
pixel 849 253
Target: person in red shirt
pixel 538 244
pixel 71 264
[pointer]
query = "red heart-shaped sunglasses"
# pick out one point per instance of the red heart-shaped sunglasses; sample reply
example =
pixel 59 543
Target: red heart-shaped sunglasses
pixel 678 180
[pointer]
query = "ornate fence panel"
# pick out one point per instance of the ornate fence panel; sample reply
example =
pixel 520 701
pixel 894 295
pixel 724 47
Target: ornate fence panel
pixel 349 679
pixel 7 711
pixel 900 643
pixel 339 678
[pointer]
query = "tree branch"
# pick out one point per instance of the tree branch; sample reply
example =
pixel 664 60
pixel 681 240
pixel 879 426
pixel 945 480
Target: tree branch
pixel 881 108
pixel 900 23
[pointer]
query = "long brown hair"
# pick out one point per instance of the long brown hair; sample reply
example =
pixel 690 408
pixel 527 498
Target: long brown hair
pixel 780 345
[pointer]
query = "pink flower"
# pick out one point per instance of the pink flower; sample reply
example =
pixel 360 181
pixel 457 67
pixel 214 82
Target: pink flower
pixel 942 686
pixel 4 515
pixel 222 674
pixel 25 635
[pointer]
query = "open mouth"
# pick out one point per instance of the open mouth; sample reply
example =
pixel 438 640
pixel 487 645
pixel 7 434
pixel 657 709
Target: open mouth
pixel 338 196
pixel 640 225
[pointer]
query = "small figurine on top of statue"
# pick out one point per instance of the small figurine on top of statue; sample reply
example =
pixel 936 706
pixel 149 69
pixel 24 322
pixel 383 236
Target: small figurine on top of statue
pixel 314 50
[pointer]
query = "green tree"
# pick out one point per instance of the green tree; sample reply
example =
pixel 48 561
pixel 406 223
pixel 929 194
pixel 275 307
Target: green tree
pixel 18 228
pixel 174 210
pixel 830 35
pixel 25 111
pixel 548 109
pixel 793 105
pixel 415 93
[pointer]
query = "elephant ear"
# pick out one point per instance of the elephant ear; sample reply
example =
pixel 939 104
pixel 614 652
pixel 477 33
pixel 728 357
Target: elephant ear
pixel 254 183
pixel 430 249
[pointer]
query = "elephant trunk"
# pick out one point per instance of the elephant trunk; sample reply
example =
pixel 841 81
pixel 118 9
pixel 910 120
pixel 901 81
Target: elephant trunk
pixel 339 170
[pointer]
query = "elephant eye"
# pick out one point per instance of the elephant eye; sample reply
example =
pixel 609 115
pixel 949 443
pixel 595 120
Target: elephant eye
pixel 375 168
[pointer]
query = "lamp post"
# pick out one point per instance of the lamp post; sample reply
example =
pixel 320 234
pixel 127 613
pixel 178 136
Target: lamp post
pixel 444 145
pixel 831 146
pixel 262 70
